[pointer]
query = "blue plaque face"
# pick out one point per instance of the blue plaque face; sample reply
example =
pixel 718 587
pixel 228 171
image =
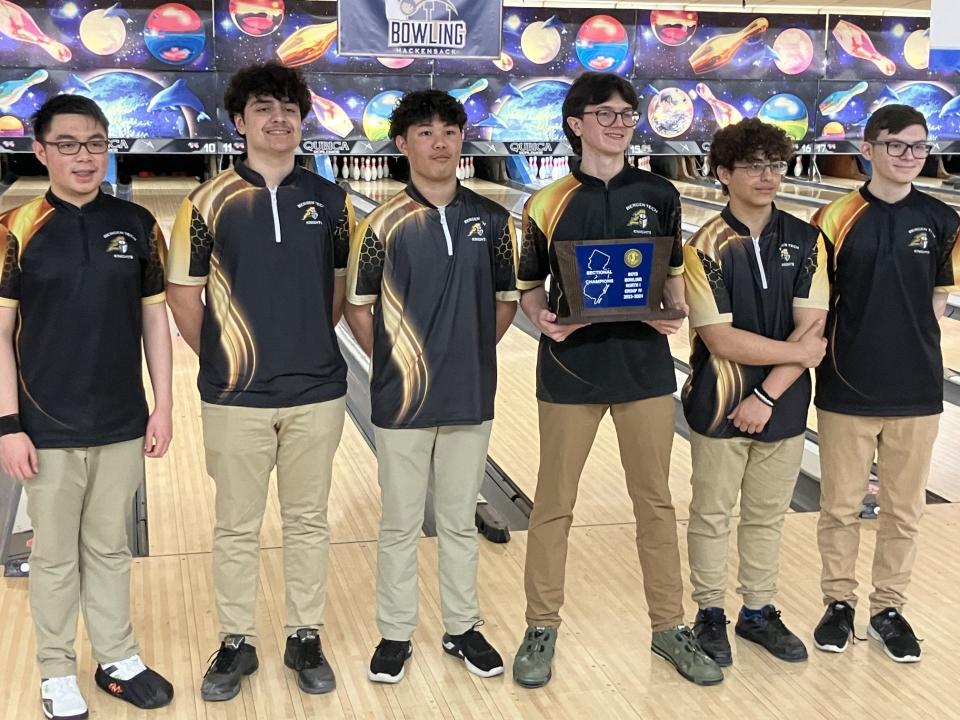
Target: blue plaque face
pixel 615 275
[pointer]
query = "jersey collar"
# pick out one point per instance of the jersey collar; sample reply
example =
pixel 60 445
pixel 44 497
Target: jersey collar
pixel 619 180
pixel 871 198
pixel 742 230
pixel 255 178
pixel 417 196
pixel 62 204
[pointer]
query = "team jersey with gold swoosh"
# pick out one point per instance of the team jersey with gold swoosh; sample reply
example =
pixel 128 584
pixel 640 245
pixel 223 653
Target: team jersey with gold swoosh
pixel 754 287
pixel 79 278
pixel 268 260
pixel 604 362
pixel 885 262
pixel 434 276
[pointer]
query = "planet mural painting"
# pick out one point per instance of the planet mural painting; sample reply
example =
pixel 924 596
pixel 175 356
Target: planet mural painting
pixel 527 112
pixel 376 115
pixel 257 17
pixel 540 42
pixel 670 112
pixel 834 131
pixel 916 49
pixel 103 32
pixel 673 27
pixel 602 43
pixel 11 126
pixel 794 50
pixel 395 63
pixel 174 34
pixel 787 112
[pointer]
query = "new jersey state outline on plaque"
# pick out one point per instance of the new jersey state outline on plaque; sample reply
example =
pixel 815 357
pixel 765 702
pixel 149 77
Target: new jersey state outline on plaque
pixel 599 277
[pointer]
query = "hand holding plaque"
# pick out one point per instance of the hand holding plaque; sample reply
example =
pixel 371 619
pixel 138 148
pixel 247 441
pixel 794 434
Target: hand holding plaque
pixel 612 280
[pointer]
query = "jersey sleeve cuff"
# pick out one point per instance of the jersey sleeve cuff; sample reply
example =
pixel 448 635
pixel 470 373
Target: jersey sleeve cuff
pixel 528 284
pixel 361 299
pixel 340 272
pixel 674 271
pixel 508 296
pixel 811 304
pixel 187 280
pixel 9 302
pixel 700 319
pixel 154 299
pixel 937 288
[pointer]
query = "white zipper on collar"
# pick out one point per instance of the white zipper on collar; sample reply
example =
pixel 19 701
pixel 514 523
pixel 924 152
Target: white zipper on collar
pixel 446 231
pixel 276 213
pixel 756 250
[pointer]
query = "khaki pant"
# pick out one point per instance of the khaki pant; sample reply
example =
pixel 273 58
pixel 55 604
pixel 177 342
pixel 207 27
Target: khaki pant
pixel 243 445
pixel 904 447
pixel 645 436
pixel 764 475
pixel 455 456
pixel 79 505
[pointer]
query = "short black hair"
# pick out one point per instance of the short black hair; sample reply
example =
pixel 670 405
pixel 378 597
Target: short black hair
pixel 747 140
pixel 422 106
pixel 593 88
pixel 66 105
pixel 893 118
pixel 271 79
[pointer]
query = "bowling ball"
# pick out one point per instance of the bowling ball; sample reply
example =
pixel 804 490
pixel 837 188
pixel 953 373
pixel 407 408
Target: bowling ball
pixel 787 112
pixel 11 126
pixel 376 115
pixel 602 43
pixel 834 131
pixel 394 63
pixel 916 49
pixel 670 112
pixel 102 35
pixel 540 44
pixel 537 115
pixel 174 34
pixel 257 17
pixel 794 49
pixel 673 27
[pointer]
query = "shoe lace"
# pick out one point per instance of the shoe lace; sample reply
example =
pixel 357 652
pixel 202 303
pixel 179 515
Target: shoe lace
pixel 475 640
pixel 712 622
pixel 310 655
pixel 842 614
pixel 898 624
pixel 222 659
pixel 392 648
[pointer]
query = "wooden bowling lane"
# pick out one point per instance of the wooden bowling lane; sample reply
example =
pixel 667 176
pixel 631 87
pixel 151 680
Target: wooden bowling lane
pixel 696 191
pixel 162 197
pixel 23 190
pixel 377 190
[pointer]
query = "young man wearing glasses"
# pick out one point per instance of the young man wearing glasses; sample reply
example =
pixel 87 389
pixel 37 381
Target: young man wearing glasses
pixel 894 257
pixel 757 289
pixel 82 271
pixel 586 370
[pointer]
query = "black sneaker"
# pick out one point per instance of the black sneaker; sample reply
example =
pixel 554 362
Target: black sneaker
pixel 835 628
pixel 478 655
pixel 304 654
pixel 134 682
pixel 229 664
pixel 710 629
pixel 768 631
pixel 899 641
pixel 387 663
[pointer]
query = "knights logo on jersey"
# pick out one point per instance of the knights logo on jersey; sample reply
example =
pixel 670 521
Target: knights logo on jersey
pixel 784 254
pixel 118 245
pixel 310 213
pixel 639 218
pixel 477 231
pixel 920 242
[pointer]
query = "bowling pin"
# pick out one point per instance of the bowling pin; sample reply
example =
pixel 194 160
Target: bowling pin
pixel 473 169
pixel 532 164
pixel 855 40
pixel 355 169
pixel 720 49
pixel 798 166
pixel 382 169
pixel 724 113
pixel 16 23
pixel 544 168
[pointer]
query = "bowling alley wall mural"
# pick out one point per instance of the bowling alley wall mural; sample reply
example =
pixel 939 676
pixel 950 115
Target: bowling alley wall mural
pixel 159 70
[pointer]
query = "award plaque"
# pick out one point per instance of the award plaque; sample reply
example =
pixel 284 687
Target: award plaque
pixel 612 280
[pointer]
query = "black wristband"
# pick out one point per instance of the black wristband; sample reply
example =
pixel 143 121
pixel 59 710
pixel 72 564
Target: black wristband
pixel 10 424
pixel 763 397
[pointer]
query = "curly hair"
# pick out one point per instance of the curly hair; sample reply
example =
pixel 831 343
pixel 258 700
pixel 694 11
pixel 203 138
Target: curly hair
pixel 746 141
pixel 423 106
pixel 268 80
pixel 593 88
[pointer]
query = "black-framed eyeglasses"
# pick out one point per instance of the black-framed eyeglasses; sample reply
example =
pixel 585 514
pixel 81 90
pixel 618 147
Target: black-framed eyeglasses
pixel 756 169
pixel 72 147
pixel 607 118
pixel 898 148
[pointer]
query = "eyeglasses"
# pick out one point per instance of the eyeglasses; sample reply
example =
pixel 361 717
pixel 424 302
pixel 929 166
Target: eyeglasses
pixel 756 169
pixel 896 148
pixel 72 147
pixel 607 118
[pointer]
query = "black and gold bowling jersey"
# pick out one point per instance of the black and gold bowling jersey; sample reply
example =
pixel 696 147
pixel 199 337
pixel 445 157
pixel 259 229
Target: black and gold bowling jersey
pixel 268 257
pixel 79 278
pixel 885 262
pixel 754 285
pixel 434 275
pixel 604 362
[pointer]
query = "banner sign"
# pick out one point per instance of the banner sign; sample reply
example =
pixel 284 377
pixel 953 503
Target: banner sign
pixel 420 28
